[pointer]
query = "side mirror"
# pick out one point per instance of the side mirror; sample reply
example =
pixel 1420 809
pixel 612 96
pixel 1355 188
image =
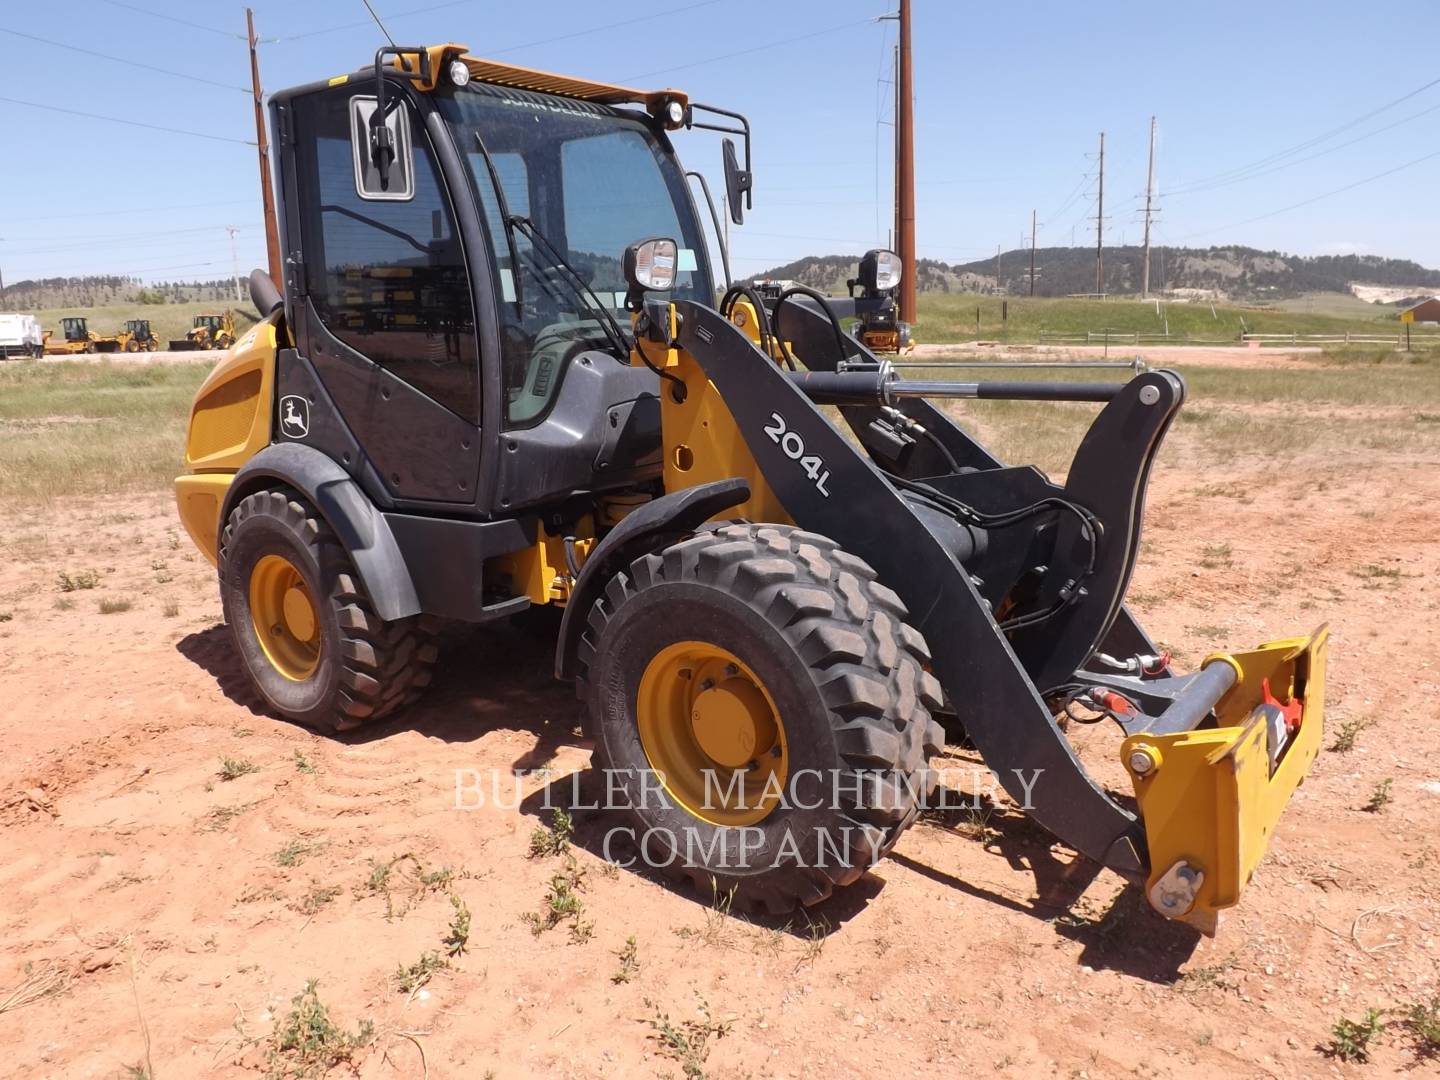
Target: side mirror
pixel 738 183
pixel 649 267
pixel 880 271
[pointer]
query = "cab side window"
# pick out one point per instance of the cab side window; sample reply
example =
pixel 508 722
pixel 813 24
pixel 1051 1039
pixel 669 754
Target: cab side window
pixel 384 264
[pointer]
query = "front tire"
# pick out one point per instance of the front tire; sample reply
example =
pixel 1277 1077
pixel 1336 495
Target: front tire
pixel 303 624
pixel 759 653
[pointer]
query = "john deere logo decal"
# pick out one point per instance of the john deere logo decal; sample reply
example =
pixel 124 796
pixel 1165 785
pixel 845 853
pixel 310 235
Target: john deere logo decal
pixel 295 416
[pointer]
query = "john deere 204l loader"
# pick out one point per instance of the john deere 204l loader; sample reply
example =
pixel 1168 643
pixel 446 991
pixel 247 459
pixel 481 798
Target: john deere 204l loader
pixel 497 376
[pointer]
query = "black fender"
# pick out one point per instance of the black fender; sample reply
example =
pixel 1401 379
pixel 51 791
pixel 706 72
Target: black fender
pixel 357 521
pixel 639 533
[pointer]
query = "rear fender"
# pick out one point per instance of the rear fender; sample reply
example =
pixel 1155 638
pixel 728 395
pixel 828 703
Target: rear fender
pixel 357 521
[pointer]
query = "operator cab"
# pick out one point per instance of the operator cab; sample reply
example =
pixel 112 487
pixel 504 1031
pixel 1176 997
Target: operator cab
pixel 459 297
pixel 75 329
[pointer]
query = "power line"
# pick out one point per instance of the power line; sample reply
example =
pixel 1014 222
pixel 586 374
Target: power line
pixel 97 241
pixel 128 62
pixel 1316 198
pixel 1085 178
pixel 130 210
pixel 1310 157
pixel 1230 174
pixel 650 17
pixel 363 24
pixel 173 19
pixel 747 52
pixel 131 123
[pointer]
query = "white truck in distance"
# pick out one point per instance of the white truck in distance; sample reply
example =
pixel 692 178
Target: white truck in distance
pixel 20 335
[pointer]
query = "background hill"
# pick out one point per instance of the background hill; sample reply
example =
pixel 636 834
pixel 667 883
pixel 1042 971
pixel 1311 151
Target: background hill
pixel 109 290
pixel 1236 273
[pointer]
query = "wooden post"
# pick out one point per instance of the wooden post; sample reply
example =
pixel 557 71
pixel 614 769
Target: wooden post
pixel 1100 225
pixel 1032 252
pixel 906 179
pixel 267 196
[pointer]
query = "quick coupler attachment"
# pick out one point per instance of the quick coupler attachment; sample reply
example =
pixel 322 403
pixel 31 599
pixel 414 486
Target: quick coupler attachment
pixel 1214 770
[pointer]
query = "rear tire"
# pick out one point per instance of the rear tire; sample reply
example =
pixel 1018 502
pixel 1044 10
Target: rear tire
pixel 829 648
pixel 351 668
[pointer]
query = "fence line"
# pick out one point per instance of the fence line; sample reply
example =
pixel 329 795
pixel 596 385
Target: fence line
pixel 1135 337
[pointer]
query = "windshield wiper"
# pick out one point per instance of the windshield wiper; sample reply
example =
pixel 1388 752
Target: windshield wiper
pixel 504 216
pixel 578 283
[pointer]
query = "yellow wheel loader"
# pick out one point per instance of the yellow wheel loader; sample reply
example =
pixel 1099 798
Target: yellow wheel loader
pixel 496 377
pixel 76 337
pixel 211 330
pixel 136 337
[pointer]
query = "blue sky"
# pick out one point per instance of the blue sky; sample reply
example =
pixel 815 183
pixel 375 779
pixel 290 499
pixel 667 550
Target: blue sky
pixel 1010 101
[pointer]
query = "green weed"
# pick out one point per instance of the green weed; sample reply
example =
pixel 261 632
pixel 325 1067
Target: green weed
pixel 409 978
pixel 234 768
pixel 458 938
pixel 1348 732
pixel 553 839
pixel 306 1043
pixel 629 961
pixel 687 1042
pixel 1350 1039
pixel 1380 796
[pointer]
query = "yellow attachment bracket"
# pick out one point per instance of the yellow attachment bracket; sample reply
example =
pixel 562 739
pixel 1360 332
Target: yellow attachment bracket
pixel 1208 798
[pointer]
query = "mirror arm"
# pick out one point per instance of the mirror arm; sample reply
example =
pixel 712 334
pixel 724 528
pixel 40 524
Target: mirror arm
pixel 382 146
pixel 743 130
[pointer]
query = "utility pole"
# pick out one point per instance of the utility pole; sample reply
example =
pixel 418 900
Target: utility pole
pixel 1100 226
pixel 1149 199
pixel 1032 252
pixel 895 139
pixel 905 180
pixel 234 261
pixel 267 196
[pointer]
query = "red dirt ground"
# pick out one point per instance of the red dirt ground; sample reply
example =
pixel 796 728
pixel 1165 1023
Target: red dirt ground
pixel 145 893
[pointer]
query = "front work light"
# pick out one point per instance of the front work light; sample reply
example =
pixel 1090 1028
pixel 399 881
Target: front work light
pixel 649 267
pixel 880 271
pixel 459 72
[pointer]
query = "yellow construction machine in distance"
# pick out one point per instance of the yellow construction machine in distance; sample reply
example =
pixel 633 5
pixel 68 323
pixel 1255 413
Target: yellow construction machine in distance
pixel 212 330
pixel 76 337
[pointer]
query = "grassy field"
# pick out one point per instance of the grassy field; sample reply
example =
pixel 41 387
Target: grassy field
pixel 951 318
pixel 1343 305
pixel 1349 408
pixel 948 318
pixel 167 321
pixel 72 427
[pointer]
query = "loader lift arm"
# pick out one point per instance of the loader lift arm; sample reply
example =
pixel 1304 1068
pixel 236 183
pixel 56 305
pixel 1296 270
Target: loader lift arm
pixel 983 674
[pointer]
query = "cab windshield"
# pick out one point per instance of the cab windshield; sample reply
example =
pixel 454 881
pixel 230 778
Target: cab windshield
pixel 590 180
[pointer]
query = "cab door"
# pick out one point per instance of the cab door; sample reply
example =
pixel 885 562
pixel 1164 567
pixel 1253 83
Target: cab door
pixel 385 316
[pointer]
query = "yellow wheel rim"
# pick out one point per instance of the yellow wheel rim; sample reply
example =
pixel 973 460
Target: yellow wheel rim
pixel 712 734
pixel 284 616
